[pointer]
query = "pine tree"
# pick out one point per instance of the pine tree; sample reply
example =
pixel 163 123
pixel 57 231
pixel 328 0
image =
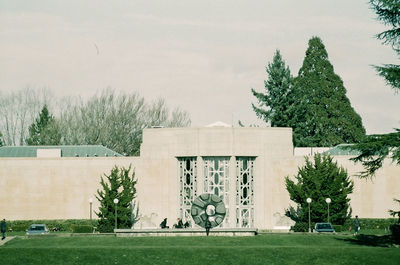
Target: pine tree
pixel 275 102
pixel 323 115
pixel 318 181
pixel 44 130
pixel 118 185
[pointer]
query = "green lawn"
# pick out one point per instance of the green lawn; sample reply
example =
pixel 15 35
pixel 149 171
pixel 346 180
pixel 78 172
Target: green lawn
pixel 261 249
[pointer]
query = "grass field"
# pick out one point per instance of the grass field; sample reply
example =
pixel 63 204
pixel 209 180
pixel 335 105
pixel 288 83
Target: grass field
pixel 261 249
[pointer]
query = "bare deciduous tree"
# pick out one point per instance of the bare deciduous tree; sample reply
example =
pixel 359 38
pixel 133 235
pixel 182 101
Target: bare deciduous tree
pixel 18 110
pixel 158 114
pixel 116 120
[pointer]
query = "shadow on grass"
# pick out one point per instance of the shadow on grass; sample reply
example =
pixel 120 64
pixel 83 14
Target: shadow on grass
pixel 370 240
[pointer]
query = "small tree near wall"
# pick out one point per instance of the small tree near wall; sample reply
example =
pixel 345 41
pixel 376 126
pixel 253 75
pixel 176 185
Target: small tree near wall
pixel 319 180
pixel 117 185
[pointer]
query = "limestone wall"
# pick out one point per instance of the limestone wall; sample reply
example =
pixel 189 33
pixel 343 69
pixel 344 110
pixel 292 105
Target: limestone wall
pixel 60 188
pixel 372 198
pixel 52 188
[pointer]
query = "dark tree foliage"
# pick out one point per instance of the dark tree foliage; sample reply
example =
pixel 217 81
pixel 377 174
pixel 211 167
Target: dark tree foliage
pixel 394 213
pixel 44 130
pixel 1 139
pixel 118 185
pixel 388 12
pixel 375 148
pixel 319 180
pixel 323 115
pixel 274 103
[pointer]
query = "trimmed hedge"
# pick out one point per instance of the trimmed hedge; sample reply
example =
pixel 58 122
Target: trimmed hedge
pixel 53 225
pixel 82 228
pixel 338 228
pixel 365 223
pixel 372 223
pixel 301 227
pixel 17 227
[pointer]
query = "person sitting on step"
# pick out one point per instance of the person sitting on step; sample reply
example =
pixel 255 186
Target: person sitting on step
pixel 179 223
pixel 163 224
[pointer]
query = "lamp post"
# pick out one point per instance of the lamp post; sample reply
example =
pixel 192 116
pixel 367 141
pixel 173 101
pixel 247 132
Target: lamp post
pixel 115 202
pixel 90 206
pixel 328 201
pixel 309 216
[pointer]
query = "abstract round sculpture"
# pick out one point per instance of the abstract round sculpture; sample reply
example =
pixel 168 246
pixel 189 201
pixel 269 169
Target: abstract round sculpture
pixel 208 210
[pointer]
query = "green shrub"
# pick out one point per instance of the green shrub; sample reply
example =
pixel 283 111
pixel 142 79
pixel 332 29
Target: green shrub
pixel 18 227
pixel 300 227
pixel 60 225
pixel 105 227
pixel 338 228
pixel 82 228
pixel 395 229
pixel 372 223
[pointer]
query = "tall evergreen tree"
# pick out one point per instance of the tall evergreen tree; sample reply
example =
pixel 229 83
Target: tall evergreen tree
pixel 375 148
pixel 117 185
pixel 44 130
pixel 319 180
pixel 1 139
pixel 275 102
pixel 323 115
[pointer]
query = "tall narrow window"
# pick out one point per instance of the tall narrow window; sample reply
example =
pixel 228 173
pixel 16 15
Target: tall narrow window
pixel 187 185
pixel 245 191
pixel 216 180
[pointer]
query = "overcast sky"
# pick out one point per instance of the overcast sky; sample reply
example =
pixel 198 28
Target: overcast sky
pixel 202 56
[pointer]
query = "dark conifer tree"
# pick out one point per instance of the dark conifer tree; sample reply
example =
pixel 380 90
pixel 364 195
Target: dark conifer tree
pixel 274 102
pixel 319 180
pixel 375 148
pixel 44 130
pixel 118 185
pixel 323 115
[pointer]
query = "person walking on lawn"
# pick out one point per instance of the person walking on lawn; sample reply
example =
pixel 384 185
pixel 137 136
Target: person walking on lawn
pixel 3 228
pixel 356 225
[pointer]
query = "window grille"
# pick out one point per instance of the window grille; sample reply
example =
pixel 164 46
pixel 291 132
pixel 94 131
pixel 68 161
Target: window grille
pixel 187 185
pixel 216 180
pixel 245 191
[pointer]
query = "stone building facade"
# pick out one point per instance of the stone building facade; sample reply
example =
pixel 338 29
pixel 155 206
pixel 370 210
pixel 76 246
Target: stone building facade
pixel 246 167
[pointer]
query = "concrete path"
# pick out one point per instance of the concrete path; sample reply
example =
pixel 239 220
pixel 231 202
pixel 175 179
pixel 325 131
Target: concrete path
pixel 2 242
